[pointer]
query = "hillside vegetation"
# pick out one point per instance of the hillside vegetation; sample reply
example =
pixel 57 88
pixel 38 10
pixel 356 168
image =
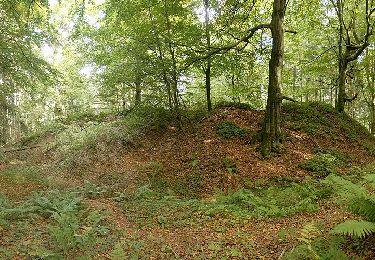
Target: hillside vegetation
pixel 135 186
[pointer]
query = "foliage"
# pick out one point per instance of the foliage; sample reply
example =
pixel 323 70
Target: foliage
pixel 270 202
pixel 355 228
pixel 75 140
pixel 68 227
pixel 360 201
pixel 229 129
pixel 146 206
pixel 313 246
pixel 321 164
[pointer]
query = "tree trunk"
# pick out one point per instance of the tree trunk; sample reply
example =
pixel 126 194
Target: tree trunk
pixel 208 66
pixel 138 91
pixel 372 114
pixel 271 132
pixel 340 105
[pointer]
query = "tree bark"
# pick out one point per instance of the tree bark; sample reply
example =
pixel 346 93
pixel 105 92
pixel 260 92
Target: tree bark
pixel 208 65
pixel 350 47
pixel 271 132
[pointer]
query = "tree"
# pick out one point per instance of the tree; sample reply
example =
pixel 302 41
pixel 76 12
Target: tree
pixel 208 44
pixel 22 69
pixel 271 133
pixel 353 39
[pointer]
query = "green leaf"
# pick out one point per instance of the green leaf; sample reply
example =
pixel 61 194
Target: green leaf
pixel 355 228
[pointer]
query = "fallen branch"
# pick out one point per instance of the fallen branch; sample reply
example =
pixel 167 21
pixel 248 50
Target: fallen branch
pixel 22 149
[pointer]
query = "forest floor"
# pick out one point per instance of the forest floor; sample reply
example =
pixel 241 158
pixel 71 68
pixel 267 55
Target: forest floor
pixel 203 192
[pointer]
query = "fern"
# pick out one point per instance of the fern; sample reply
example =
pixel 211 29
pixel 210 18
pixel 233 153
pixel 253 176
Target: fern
pixel 370 178
pixel 360 202
pixel 364 206
pixel 345 188
pixel 308 233
pixel 355 228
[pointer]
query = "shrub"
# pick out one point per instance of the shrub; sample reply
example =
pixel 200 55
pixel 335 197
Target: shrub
pixel 229 129
pixel 321 164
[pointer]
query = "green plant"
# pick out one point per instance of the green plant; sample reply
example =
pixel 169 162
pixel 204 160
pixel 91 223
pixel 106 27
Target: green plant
pixel 321 164
pixel 55 202
pixel 360 201
pixel 91 190
pixel 229 129
pixel 314 247
pixel 269 202
pixel 64 230
pixel 156 180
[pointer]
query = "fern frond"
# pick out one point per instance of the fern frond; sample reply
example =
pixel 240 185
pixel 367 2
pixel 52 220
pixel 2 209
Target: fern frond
pixel 364 206
pixel 308 233
pixel 346 188
pixel 355 228
pixel 370 178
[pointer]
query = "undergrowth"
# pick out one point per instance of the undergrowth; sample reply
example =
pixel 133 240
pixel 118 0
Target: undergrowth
pixel 229 129
pixel 78 142
pixel 52 225
pixel 314 246
pixel 321 165
pixel 148 207
pixel 321 119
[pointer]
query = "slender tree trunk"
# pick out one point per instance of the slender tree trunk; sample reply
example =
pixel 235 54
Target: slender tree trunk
pixel 343 65
pixel 294 81
pixel 271 132
pixel 138 91
pixel 208 65
pixel 341 95
pixel 372 114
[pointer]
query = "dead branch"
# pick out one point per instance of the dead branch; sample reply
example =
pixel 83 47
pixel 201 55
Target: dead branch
pixel 22 149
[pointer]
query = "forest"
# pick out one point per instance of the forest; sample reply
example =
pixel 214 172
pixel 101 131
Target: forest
pixel 187 129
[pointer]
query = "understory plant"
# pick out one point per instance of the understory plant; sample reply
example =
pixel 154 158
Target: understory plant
pixel 360 199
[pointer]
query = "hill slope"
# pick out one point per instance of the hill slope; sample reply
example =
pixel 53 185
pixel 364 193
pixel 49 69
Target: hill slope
pixel 206 156
pixel 204 192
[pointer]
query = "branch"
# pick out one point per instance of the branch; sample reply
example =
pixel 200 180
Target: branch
pixel 288 98
pixel 351 99
pixel 246 38
pixel 225 49
pixel 291 31
pixel 358 52
pixel 321 54
pixel 22 149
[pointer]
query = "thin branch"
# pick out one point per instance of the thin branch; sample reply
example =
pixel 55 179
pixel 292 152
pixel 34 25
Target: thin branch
pixel 321 54
pixel 227 48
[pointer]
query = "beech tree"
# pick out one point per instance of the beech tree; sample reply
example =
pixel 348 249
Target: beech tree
pixel 353 38
pixel 271 132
